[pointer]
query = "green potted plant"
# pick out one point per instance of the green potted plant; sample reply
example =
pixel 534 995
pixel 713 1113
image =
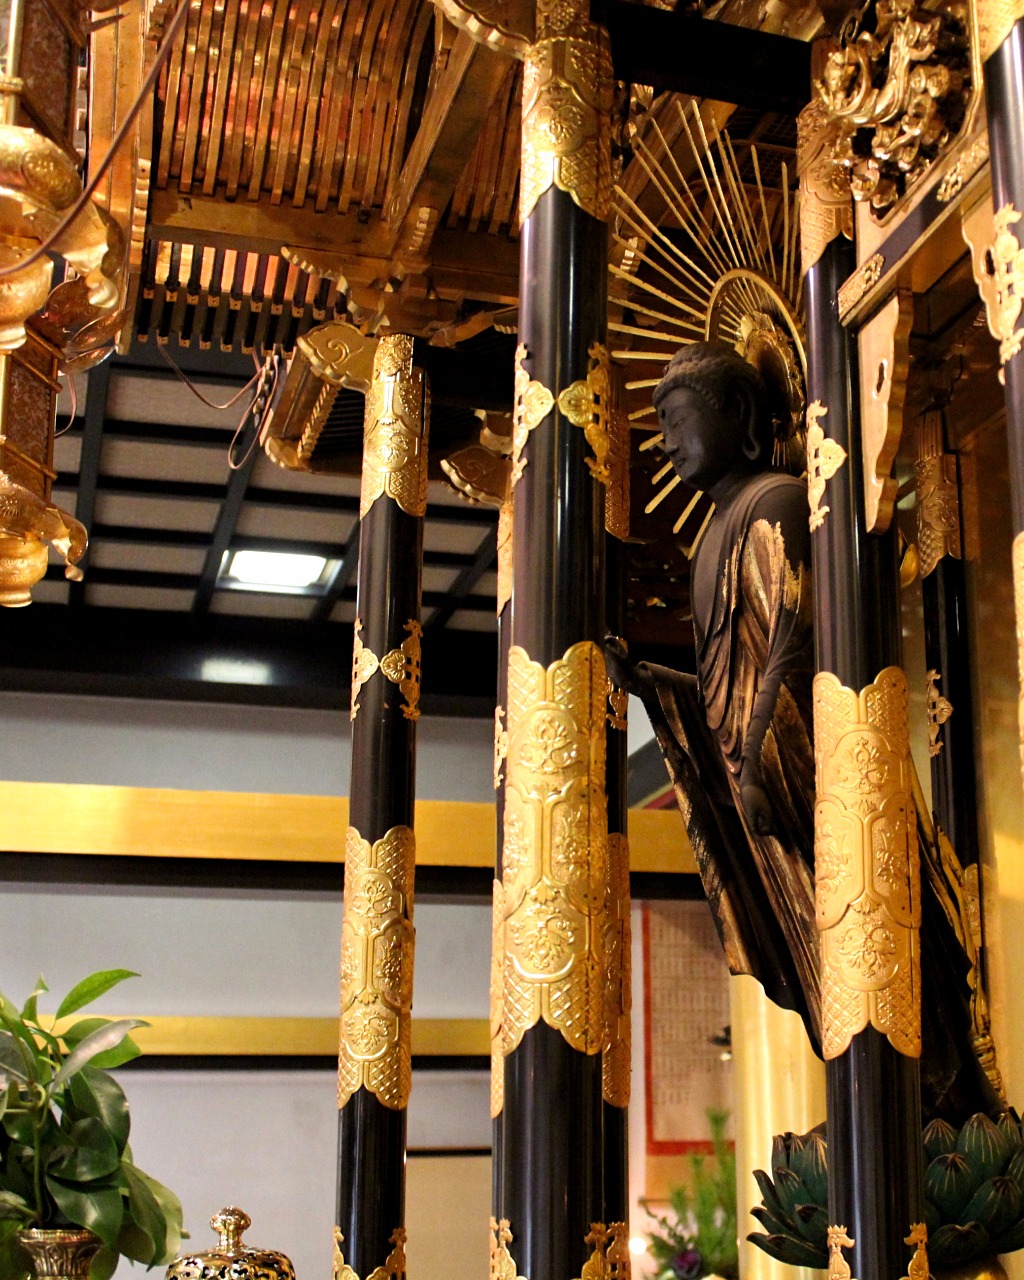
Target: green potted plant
pixel 71 1198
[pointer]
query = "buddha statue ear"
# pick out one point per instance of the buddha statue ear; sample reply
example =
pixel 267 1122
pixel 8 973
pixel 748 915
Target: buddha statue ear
pixel 748 411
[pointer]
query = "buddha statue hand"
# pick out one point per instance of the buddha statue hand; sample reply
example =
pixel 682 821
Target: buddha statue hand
pixel 757 809
pixel 623 672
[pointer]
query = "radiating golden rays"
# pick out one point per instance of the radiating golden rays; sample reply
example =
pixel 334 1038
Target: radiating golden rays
pixel 724 268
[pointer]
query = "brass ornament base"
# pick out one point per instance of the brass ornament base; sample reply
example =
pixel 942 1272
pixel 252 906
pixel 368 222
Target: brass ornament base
pixel 62 1253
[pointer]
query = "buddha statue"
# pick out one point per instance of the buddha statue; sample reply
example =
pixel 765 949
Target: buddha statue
pixel 737 737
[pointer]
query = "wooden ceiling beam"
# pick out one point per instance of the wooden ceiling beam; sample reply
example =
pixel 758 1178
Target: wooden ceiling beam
pixel 452 119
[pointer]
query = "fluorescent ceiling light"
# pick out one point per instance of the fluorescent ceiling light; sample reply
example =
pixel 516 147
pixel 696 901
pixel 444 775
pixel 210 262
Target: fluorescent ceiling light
pixel 275 569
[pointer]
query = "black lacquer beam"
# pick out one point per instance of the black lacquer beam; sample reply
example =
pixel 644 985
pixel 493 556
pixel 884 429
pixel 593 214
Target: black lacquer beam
pixel 873 1090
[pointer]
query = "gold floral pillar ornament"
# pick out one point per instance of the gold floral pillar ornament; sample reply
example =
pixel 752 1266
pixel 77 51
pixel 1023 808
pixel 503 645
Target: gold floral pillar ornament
pixel 824 458
pixel 998 265
pixel 377 939
pixel 867 873
pixel 500 744
pixel 531 405
pixel 567 101
pixel 587 404
pixel 502 1266
pixel 918 1237
pixel 395 430
pixel 618 707
pixel 938 496
pixel 555 856
pixel 939 711
pixel 394 1264
pixel 615 1063
pixel 616 499
pixel 401 665
pixel 826 206
pixel 838 1240
pixel 884 349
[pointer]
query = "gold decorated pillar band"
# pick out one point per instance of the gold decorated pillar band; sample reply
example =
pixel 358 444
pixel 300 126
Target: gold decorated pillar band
pixel 393 1267
pixel 377 940
pixel 400 665
pixel 867 866
pixel 394 433
pixel 824 458
pixel 826 205
pixel 567 102
pixel 586 403
pixel 555 855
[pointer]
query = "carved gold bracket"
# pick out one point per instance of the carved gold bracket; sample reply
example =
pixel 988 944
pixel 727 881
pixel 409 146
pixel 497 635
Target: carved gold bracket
pixel 377 940
pixel 997 261
pixel 938 508
pixel 939 711
pixel 393 1268
pixel 618 704
pixel 884 347
pixel 824 458
pixel 918 1266
pixel 585 403
pixel 500 744
pixel 826 206
pixel 838 1240
pixel 402 666
pixel 502 1266
pixel 532 404
pixel 609 1258
pixel 866 861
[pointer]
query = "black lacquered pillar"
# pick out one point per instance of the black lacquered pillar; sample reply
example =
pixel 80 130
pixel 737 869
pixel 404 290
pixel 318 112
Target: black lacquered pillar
pixel 375 1065
pixel 1004 101
pixel 866 861
pixel 618 997
pixel 555 864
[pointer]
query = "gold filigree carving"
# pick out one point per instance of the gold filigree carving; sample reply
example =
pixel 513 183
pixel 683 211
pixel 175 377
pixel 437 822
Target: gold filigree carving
pixel 617 1251
pixel 555 855
pixel 340 1270
pixel 615 1061
pixel 618 707
pixel 864 278
pixel 1018 602
pixel 478 473
pixel 587 404
pixel 338 353
pixel 500 744
pixel 502 1265
pixel 966 166
pixel 532 404
pixel 996 19
pixel 567 105
pixel 867 872
pixel 918 1267
pixel 27 523
pixel 998 266
pixel 394 1263
pixel 401 665
pixel 364 664
pixel 377 941
pixel 884 348
pixel 939 711
pixel 609 1256
pixel 507 26
pixel 938 509
pixel 824 458
pixel 616 498
pixel 395 430
pixel 897 83
pixel 504 555
pixel 838 1240
pixel 826 206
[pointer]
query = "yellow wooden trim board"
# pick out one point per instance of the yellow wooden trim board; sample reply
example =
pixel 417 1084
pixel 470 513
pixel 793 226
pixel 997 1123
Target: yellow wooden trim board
pixel 305 1037
pixel 51 817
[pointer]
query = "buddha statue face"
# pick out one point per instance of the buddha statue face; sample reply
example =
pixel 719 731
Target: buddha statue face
pixel 711 409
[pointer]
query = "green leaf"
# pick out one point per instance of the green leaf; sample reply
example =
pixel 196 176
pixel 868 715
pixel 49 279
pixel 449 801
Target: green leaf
pixel 939 1139
pixel 773 1225
pixel 116 1057
pixel 791 1190
pixel 170 1206
pixel 99 1041
pixel 1011 1239
pixel 15 1206
pixel 24 1039
pixel 15 1264
pixel 949 1182
pixel 29 1011
pixel 12 1059
pixel 995 1205
pixel 91 1153
pixel 91 988
pixel 798 1253
pixel 104 1263
pixel 984 1147
pixel 99 1207
pixel 768 1193
pixel 954 1244
pixel 811 1163
pixel 143 1230
pixel 95 1093
pixel 812 1223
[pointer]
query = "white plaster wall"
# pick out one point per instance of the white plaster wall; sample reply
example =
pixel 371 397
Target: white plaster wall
pixel 209 747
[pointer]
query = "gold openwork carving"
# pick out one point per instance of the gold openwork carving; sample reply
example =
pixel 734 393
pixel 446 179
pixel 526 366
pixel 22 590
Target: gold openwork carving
pixel 377 941
pixel 1018 601
pixel 609 1257
pixel 394 1264
pixel 555 854
pixel 502 1266
pixel 587 404
pixel 884 349
pixel 401 665
pixel 998 266
pixel 966 166
pixel 918 1266
pixel 507 26
pixel 500 744
pixel 939 710
pixel 532 404
pixel 504 555
pixel 897 83
pixel 618 707
pixel 838 1240
pixel 616 498
pixel 824 458
pixel 395 430
pixel 567 104
pixel 826 207
pixel 864 278
pixel 867 873
pixel 339 353
pixel 497 979
pixel 615 1062
pixel 938 509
